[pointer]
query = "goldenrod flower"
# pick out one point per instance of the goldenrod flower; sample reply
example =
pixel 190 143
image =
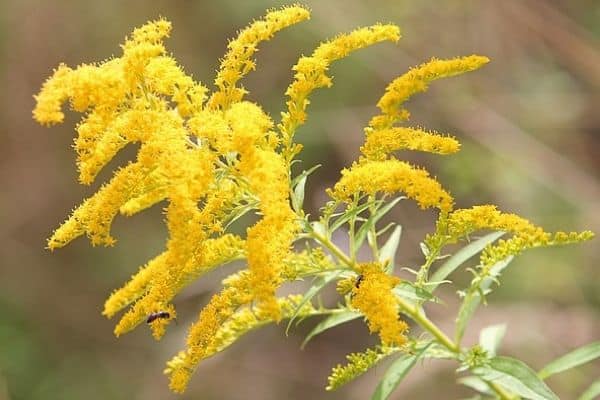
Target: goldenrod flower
pixel 135 288
pixel 270 238
pixel 358 364
pixel 157 284
pixel 417 80
pixel 375 299
pixel 380 143
pixel 463 222
pixel 238 60
pixel 215 157
pixel 94 217
pixel 520 242
pixel 54 92
pixel 392 176
pixel 311 73
pixel 202 333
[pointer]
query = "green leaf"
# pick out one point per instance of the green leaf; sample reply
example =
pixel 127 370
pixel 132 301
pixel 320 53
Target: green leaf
pixel 372 221
pixel 473 298
pixel 238 212
pixel 438 351
pixel 304 174
pixel 298 199
pixel 319 229
pixel 298 184
pixel 408 291
pixel 345 217
pixel 424 249
pixel 388 250
pixel 330 322
pixel 570 360
pixel 517 377
pixel 490 338
pixel 591 393
pixel 461 256
pixel 321 282
pixel 395 373
pixel 476 384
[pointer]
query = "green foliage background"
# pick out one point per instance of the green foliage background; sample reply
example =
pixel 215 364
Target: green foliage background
pixel 530 131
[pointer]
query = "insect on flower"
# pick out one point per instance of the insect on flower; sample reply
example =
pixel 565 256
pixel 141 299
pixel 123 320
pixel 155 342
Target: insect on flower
pixel 154 316
pixel 359 279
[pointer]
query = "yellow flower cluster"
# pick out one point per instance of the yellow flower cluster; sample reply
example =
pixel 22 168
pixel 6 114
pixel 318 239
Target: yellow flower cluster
pixel 238 324
pixel 212 157
pixel 462 222
pixel 145 97
pixel 358 364
pixel 238 60
pixel 417 80
pixel 202 334
pixel 311 74
pixel 520 242
pixel 391 176
pixel 208 159
pixel 380 143
pixel 374 298
pixel 379 172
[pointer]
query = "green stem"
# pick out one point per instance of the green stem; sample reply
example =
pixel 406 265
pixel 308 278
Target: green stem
pixel 499 390
pixel 336 251
pixel 423 274
pixel 429 326
pixel 410 310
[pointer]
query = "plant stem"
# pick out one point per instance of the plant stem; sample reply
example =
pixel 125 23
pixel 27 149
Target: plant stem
pixel 412 311
pixel 429 326
pixel 336 251
pixel 423 274
pixel 499 390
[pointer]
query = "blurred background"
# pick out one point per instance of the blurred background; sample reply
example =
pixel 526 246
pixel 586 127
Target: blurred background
pixel 530 126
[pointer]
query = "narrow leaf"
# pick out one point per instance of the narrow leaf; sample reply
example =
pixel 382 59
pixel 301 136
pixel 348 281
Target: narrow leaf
pixel 570 360
pixel 395 373
pixel 517 377
pixel 298 199
pixel 473 298
pixel 591 393
pixel 320 283
pixel 387 253
pixel 304 174
pixel 461 256
pixel 438 351
pixel 345 217
pixel 476 384
pixel 372 221
pixel 412 293
pixel 319 228
pixel 490 338
pixel 330 322
pixel 298 183
pixel 424 249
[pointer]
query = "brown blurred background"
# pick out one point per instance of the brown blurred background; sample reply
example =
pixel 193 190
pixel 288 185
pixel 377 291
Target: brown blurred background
pixel 529 123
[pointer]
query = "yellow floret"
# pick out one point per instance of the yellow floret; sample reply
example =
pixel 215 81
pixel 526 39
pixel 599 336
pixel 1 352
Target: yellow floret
pixel 417 80
pixel 380 143
pixel 375 299
pixel 391 176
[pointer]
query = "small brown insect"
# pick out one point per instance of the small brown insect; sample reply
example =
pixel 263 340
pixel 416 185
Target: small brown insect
pixel 154 316
pixel 358 280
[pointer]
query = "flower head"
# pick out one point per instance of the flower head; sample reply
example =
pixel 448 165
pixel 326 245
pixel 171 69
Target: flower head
pixel 374 298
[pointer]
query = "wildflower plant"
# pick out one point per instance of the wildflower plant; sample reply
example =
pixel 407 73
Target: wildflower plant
pixel 213 157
